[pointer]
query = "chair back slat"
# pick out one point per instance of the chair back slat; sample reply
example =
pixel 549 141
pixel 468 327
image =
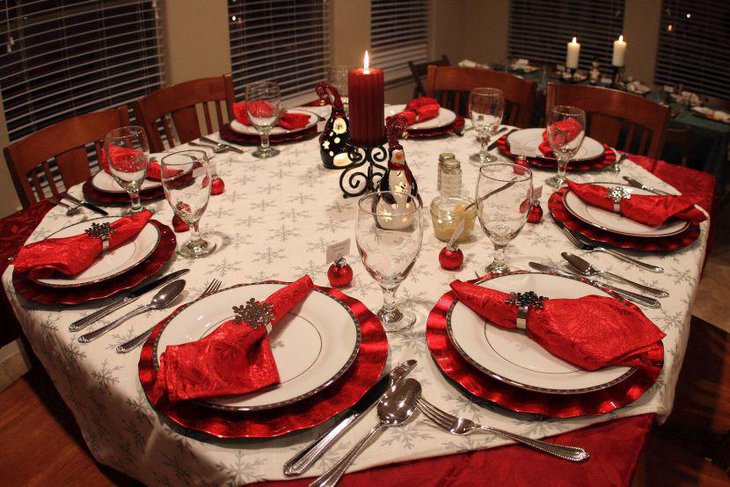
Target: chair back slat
pixel 73 166
pixel 219 113
pixel 419 70
pixel 187 124
pixel 208 123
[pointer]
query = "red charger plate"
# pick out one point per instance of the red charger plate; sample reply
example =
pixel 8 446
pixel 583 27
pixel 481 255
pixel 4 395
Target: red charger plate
pixel 94 195
pixel 608 158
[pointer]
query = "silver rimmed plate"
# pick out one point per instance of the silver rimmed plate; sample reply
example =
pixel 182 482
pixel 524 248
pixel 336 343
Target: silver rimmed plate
pixel 312 346
pixel 511 356
pixel 110 264
pixel 616 223
pixel 445 118
pixel 525 142
pixel 248 130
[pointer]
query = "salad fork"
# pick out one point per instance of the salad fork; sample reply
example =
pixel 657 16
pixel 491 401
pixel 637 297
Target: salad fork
pixel 589 247
pixel 463 427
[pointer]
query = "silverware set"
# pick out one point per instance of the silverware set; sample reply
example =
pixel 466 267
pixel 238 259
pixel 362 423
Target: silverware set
pixel 217 147
pixel 77 204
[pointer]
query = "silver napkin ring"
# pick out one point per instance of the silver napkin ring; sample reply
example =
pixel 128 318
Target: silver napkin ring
pixel 618 194
pixel 522 317
pixel 254 314
pixel 102 231
pixel 525 301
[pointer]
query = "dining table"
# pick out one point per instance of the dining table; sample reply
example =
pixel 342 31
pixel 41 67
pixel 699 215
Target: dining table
pixel 275 221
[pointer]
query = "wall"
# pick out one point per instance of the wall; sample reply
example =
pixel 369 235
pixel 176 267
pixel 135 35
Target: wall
pixel 484 30
pixel 9 202
pixel 642 20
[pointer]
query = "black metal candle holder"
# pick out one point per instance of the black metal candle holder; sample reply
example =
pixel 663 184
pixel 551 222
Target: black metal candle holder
pixel 367 167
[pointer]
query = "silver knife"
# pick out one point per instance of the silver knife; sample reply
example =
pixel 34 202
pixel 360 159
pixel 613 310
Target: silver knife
pixel 587 269
pixel 494 144
pixel 638 184
pixel 228 146
pixel 629 295
pixel 302 461
pixel 85 203
pixel 123 300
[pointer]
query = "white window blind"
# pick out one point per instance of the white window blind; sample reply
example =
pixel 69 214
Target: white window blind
pixel 67 57
pixel 280 40
pixel 539 30
pixel 398 34
pixel 693 46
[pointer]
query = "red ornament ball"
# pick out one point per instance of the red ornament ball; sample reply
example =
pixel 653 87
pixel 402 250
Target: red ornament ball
pixel 451 259
pixel 535 214
pixel 218 186
pixel 340 273
pixel 179 225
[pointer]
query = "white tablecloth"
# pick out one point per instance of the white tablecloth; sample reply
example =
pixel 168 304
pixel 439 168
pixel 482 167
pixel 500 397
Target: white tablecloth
pixel 275 220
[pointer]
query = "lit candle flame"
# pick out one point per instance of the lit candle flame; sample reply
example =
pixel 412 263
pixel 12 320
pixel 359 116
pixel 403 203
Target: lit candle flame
pixel 366 62
pixel 575 41
pixel 621 38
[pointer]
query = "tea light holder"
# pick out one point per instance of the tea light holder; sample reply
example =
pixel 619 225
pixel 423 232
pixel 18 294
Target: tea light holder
pixel 367 166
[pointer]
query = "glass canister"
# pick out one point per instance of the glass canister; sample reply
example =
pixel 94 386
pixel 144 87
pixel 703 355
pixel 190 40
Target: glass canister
pixel 448 181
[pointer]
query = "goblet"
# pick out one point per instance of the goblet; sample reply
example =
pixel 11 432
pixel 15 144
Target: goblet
pixel 566 128
pixel 503 197
pixel 263 102
pixel 486 109
pixel 127 154
pixel 388 234
pixel 186 180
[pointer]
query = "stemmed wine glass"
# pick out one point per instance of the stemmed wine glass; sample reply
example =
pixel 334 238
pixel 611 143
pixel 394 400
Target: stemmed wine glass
pixel 388 232
pixel 263 103
pixel 486 109
pixel 338 78
pixel 186 180
pixel 503 200
pixel 566 128
pixel 127 153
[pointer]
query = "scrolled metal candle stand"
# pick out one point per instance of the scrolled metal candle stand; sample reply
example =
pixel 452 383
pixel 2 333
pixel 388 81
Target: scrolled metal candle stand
pixel 357 180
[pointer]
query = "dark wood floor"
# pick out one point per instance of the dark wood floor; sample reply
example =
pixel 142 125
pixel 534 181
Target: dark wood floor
pixel 41 444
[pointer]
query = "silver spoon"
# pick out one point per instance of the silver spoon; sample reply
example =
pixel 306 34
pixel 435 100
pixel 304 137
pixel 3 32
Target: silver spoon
pixel 162 299
pixel 395 408
pixel 215 148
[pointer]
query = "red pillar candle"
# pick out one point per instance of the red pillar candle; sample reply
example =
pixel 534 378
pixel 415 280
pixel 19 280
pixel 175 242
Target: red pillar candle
pixel 366 98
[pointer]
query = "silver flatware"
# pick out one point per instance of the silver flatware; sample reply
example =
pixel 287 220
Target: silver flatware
pixel 584 244
pixel 160 300
pixel 70 210
pixel 84 203
pixel 587 269
pixel 638 184
pixel 463 427
pixel 123 300
pixel 396 408
pixel 221 145
pixel 500 133
pixel 616 166
pixel 130 345
pixel 303 460
pixel 214 148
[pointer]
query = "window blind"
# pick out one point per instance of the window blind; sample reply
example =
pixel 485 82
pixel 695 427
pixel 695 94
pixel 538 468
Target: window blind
pixel 398 34
pixel 693 42
pixel 280 40
pixel 62 58
pixel 540 30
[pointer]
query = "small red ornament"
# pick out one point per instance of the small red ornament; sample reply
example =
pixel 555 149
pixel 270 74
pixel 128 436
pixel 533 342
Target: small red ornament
pixel 451 258
pixel 179 225
pixel 340 273
pixel 218 186
pixel 535 214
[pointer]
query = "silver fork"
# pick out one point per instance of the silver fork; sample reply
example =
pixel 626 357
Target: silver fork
pixel 130 345
pixel 583 245
pixel 463 427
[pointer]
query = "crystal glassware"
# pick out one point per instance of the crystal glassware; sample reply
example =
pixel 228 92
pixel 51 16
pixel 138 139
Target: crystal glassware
pixel 263 104
pixel 338 78
pixel 187 180
pixel 503 197
pixel 388 234
pixel 566 128
pixel 127 154
pixel 486 109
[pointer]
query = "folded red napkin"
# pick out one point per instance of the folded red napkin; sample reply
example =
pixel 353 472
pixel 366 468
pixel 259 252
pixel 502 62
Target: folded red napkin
pixel 236 358
pixel 287 120
pixel 566 130
pixel 652 210
pixel 120 155
pixel 591 332
pixel 154 171
pixel 419 110
pixel 72 255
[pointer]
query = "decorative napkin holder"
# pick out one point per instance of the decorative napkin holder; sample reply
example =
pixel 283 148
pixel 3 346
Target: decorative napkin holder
pixel 334 143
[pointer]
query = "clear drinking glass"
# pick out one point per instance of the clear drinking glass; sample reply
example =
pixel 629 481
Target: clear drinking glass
pixel 566 128
pixel 186 179
pixel 127 153
pixel 388 233
pixel 263 105
pixel 486 109
pixel 503 202
pixel 338 77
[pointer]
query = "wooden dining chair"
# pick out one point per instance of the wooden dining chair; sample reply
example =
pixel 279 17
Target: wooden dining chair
pixel 173 111
pixel 622 120
pixel 420 70
pixel 451 86
pixel 59 150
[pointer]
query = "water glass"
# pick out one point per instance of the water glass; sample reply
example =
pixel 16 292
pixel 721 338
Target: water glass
pixel 566 128
pixel 263 105
pixel 127 154
pixel 338 77
pixel 486 109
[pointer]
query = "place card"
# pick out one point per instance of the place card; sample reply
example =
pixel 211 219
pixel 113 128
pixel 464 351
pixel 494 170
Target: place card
pixel 337 250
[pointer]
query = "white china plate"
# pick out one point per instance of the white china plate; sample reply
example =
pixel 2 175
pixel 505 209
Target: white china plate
pixel 616 223
pixel 110 264
pixel 105 183
pixel 246 130
pixel 525 142
pixel 511 356
pixel 313 346
pixel 445 118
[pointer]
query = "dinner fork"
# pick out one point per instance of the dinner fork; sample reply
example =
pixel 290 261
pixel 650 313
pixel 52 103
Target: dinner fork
pixel 463 427
pixel 589 247
pixel 130 345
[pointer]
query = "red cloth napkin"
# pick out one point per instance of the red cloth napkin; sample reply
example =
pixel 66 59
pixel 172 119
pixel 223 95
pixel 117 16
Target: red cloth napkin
pixel 287 120
pixel 154 171
pixel 73 255
pixel 420 109
pixel 591 332
pixel 234 359
pixel 569 127
pixel 652 210
pixel 120 155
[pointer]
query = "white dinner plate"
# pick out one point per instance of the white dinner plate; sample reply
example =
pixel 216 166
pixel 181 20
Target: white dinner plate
pixel 110 264
pixel 247 130
pixel 313 345
pixel 105 183
pixel 511 356
pixel 445 118
pixel 525 142
pixel 616 223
